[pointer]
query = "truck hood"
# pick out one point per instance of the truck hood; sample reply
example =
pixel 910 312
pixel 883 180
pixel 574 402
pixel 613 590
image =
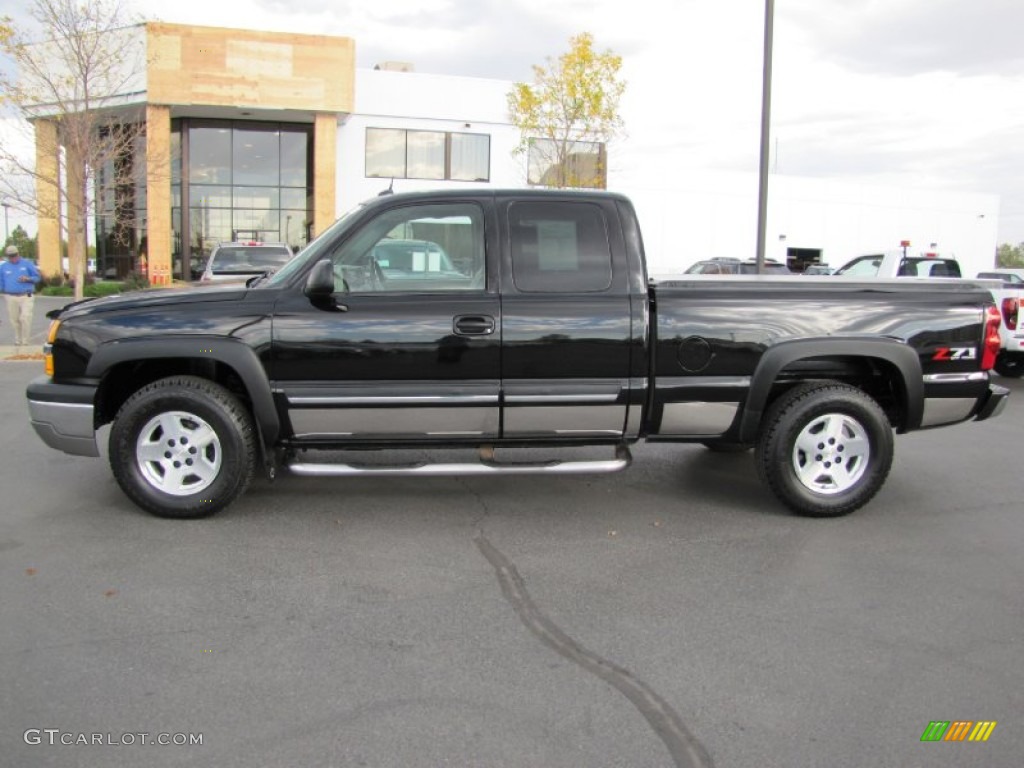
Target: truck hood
pixel 150 298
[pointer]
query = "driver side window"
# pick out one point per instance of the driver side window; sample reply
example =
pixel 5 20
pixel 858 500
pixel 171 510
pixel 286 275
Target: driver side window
pixel 415 249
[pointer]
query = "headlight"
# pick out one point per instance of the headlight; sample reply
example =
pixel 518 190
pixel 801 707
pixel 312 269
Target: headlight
pixel 51 335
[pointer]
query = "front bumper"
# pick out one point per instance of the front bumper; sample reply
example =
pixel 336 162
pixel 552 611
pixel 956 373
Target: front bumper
pixel 62 416
pixel 993 402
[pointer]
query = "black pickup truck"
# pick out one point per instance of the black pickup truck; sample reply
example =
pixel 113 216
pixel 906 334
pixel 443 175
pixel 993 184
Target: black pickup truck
pixel 496 320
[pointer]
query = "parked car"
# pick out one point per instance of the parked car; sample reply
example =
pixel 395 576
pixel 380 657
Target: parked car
pixel 818 269
pixel 240 261
pixel 1014 277
pixel 727 266
pixel 898 264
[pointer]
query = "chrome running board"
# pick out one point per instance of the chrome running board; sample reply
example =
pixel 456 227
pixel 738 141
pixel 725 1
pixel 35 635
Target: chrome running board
pixel 486 466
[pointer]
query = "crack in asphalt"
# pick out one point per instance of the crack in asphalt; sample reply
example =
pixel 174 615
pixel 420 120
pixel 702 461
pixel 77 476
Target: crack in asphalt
pixel 683 746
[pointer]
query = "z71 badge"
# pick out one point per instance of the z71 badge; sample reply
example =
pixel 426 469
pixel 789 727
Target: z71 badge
pixel 955 353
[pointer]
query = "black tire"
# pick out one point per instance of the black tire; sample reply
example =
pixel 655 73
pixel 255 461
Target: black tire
pixel 825 449
pixel 1010 365
pixel 721 447
pixel 183 447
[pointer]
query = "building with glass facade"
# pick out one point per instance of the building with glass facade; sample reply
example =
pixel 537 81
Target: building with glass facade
pixel 239 141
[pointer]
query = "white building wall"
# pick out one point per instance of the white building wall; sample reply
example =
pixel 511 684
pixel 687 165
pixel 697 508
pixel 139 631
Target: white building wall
pixel 685 215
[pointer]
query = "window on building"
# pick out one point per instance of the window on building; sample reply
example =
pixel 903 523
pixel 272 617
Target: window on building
pixel 385 153
pixel 425 155
pixel 559 247
pixel 401 154
pixel 120 194
pixel 572 164
pixel 242 180
pixel 469 156
pixel 256 156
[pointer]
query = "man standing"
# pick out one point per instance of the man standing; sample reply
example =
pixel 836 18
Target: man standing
pixel 18 280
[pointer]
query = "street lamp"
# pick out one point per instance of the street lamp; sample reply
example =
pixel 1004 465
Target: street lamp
pixel 7 232
pixel 766 116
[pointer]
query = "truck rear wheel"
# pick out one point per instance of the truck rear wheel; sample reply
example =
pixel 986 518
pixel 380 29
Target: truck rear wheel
pixel 183 447
pixel 825 449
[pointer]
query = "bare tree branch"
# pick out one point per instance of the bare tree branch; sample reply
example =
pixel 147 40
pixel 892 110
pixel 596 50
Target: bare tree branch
pixel 79 73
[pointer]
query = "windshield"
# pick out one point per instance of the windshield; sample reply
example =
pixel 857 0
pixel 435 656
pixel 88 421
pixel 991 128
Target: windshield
pixel 246 258
pixel 865 266
pixel 311 252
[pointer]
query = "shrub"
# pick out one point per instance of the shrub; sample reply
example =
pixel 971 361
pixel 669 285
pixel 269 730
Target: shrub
pixel 92 290
pixel 135 281
pixel 104 288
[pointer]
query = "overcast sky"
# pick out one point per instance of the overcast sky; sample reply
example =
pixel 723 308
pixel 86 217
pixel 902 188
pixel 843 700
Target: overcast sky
pixel 917 93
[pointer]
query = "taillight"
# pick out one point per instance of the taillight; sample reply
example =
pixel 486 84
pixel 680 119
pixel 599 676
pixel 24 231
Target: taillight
pixel 1010 307
pixel 990 348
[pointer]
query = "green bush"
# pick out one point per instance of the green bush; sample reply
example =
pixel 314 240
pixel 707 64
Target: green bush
pixel 92 290
pixel 135 281
pixel 108 288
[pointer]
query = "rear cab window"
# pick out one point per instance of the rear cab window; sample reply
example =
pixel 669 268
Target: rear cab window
pixel 928 267
pixel 559 247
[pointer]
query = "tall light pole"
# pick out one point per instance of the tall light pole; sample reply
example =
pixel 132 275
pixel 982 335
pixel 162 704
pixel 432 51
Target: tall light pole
pixel 7 231
pixel 766 119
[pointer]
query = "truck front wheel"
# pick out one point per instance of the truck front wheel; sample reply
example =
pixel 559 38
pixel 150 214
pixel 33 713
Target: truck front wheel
pixel 183 447
pixel 825 449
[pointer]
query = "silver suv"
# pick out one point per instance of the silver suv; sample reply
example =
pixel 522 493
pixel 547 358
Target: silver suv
pixel 240 261
pixel 722 265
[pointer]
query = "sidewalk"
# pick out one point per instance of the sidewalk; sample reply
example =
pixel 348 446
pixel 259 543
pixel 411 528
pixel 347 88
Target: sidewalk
pixel 28 353
pixel 33 351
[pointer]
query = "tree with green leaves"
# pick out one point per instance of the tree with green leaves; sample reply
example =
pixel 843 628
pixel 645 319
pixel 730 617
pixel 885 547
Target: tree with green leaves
pixel 26 245
pixel 73 72
pixel 569 114
pixel 1010 256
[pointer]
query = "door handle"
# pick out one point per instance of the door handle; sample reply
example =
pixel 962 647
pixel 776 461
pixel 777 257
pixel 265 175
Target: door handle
pixel 473 325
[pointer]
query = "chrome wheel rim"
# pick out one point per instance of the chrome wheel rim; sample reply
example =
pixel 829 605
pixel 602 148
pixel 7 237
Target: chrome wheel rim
pixel 178 453
pixel 831 453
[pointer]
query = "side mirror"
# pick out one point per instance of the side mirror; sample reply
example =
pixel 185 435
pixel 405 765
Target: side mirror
pixel 320 287
pixel 320 283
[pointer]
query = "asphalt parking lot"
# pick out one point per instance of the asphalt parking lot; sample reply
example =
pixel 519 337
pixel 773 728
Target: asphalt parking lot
pixel 673 614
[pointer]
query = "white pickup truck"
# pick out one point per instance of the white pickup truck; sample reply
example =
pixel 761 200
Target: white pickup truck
pixel 1007 293
pixel 1009 296
pixel 900 264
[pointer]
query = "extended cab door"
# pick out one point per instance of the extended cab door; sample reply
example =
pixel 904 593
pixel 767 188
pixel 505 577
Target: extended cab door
pixel 566 319
pixel 409 347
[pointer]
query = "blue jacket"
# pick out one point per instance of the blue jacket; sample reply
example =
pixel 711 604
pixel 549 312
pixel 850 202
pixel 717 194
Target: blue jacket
pixel 9 274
